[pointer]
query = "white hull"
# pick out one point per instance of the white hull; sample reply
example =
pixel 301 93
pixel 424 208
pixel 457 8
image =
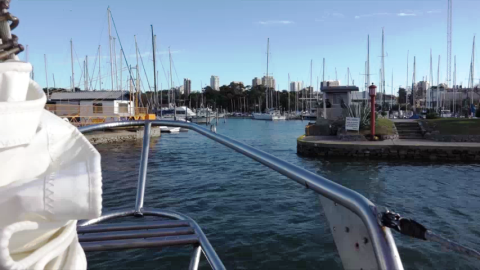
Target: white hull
pixel 169 129
pixel 268 117
pixel 201 119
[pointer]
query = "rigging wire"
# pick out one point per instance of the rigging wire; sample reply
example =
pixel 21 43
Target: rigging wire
pixel 173 63
pixel 141 59
pixel 121 47
pixel 93 73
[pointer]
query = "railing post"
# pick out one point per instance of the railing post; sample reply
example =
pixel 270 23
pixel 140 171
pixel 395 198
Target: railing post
pixel 142 174
pixel 195 259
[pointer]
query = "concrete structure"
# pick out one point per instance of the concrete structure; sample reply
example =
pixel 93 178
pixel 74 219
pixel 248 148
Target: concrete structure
pixel 336 97
pixel 329 83
pixel 359 97
pixel 296 86
pixel 215 82
pixel 256 82
pixel 331 146
pixel 119 135
pixel 269 82
pixel 187 87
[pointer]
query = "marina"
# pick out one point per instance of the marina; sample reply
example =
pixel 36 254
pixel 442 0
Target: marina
pixel 144 171
pixel 263 215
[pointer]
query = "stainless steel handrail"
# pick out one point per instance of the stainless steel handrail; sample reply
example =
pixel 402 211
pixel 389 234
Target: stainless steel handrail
pixel 382 241
pixel 142 173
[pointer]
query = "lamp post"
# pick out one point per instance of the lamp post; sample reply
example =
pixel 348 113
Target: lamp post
pixel 372 91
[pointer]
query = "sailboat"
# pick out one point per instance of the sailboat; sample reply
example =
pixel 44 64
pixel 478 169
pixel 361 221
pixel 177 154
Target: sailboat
pixel 270 113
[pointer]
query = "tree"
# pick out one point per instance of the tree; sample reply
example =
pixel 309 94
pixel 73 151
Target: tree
pixel 402 95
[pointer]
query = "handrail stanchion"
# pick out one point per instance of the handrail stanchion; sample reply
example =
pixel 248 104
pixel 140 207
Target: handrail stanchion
pixel 142 174
pixel 195 259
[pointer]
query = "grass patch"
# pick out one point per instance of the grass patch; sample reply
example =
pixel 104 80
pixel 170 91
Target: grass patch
pixel 454 126
pixel 383 126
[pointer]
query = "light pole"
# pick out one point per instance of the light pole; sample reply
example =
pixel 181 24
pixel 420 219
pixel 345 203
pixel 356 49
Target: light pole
pixel 372 91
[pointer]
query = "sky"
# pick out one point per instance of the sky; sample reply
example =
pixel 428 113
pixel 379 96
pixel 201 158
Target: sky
pixel 229 39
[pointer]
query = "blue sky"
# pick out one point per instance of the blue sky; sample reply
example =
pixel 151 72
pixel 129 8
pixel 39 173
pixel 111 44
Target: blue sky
pixel 228 38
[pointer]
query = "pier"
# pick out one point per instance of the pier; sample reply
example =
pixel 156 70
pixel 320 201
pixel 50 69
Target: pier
pixel 331 146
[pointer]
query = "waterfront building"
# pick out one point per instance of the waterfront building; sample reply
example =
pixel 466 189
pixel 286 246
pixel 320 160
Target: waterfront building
pixel 256 82
pixel 187 87
pixel 269 82
pixel 296 86
pixel 215 82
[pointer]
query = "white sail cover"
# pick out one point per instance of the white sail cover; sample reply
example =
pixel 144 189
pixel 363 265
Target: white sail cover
pixel 50 176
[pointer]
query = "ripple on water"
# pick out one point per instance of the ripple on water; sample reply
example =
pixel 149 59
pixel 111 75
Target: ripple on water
pixel 258 219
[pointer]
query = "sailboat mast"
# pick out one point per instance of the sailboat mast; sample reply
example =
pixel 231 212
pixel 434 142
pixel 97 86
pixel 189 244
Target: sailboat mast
pixel 267 78
pixel 406 86
pixel 454 83
pixel 110 45
pixel 288 93
pixel 86 72
pixel 473 70
pixel 115 68
pixel 121 71
pixel 368 61
pixel 383 70
pixel 73 72
pixel 137 84
pixel 46 76
pixel 154 48
pixel 438 83
pixel 431 79
pixel 171 80
pixel 311 86
pixel 100 66
pixel 413 84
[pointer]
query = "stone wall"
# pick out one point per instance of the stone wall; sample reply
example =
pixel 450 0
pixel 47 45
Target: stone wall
pixel 388 152
pixel 436 136
pixel 113 136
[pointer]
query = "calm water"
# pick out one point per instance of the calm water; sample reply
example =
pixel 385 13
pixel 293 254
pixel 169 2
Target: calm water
pixel 258 219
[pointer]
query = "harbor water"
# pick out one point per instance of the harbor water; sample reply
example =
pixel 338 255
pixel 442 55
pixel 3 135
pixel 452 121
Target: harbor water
pixel 256 218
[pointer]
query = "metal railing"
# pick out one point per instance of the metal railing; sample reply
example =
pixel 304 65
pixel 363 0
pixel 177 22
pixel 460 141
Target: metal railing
pixel 383 245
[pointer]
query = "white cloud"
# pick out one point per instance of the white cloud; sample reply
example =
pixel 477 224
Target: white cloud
pixel 338 15
pixel 327 15
pixel 402 14
pixel 433 11
pixel 378 14
pixel 275 22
